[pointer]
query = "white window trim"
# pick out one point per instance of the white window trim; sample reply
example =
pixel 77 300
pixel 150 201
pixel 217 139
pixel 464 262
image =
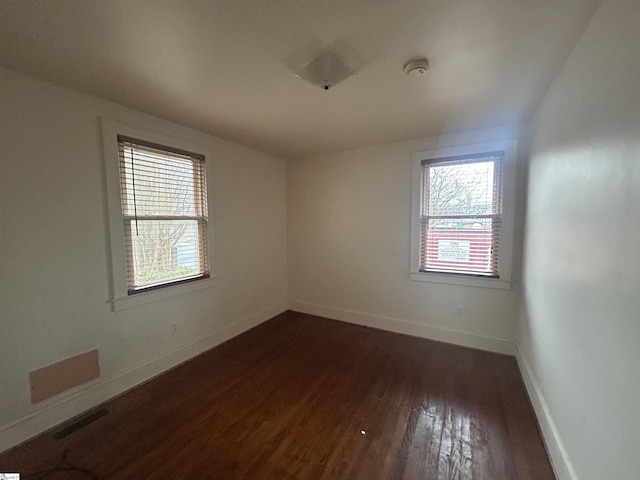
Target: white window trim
pixel 118 288
pixel 508 211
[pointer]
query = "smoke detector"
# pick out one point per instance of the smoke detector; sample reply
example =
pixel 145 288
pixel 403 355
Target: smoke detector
pixel 417 67
pixel 325 72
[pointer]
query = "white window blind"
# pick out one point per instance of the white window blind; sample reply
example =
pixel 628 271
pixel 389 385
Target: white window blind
pixel 461 214
pixel 164 206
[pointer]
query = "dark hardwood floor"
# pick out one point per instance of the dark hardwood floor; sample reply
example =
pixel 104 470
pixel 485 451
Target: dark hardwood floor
pixel 302 397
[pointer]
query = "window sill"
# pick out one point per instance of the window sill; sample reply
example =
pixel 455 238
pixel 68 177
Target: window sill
pixel 457 279
pixel 139 299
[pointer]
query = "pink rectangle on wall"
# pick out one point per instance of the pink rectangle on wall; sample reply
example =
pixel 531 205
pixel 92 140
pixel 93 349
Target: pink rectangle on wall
pixel 48 381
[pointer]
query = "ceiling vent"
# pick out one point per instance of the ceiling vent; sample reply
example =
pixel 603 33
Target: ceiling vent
pixel 325 72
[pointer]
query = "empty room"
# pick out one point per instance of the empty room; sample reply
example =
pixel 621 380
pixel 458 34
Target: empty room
pixel 282 239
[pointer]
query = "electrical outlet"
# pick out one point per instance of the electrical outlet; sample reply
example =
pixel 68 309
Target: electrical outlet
pixel 174 328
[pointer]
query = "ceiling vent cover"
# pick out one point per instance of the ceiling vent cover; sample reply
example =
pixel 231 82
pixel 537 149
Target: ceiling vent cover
pixel 325 72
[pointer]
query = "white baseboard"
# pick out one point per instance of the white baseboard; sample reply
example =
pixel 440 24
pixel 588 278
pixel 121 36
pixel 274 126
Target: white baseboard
pixel 555 447
pixel 466 339
pixel 84 398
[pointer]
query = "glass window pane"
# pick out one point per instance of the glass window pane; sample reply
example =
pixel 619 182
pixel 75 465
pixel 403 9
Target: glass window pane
pixel 458 245
pixel 157 184
pixel 460 189
pixel 164 250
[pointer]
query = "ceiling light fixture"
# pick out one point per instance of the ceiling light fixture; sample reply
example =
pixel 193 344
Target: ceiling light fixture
pixel 417 67
pixel 325 72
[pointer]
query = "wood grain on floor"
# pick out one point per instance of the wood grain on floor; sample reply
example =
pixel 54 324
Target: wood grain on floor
pixel 302 397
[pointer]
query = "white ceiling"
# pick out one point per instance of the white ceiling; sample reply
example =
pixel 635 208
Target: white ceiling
pixel 226 67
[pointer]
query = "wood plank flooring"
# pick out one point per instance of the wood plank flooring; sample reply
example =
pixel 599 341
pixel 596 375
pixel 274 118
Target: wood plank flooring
pixel 302 397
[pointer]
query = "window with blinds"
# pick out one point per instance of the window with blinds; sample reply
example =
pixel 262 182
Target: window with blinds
pixel 461 214
pixel 164 206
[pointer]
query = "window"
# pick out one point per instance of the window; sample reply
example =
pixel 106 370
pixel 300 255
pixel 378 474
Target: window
pixel 462 221
pixel 164 209
pixel 461 214
pixel 158 215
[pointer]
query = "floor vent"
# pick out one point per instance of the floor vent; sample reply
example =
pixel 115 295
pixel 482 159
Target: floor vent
pixel 80 423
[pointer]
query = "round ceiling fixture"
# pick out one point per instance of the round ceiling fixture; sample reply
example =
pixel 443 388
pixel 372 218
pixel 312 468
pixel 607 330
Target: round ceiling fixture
pixel 417 67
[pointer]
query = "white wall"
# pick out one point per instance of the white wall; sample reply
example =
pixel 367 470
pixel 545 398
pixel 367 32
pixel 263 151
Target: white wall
pixel 53 255
pixel 349 249
pixel 580 322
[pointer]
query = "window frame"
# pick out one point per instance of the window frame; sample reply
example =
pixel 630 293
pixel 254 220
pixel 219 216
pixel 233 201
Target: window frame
pixel 508 210
pixel 120 297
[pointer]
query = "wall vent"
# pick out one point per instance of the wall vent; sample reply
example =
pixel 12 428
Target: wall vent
pixel 80 423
